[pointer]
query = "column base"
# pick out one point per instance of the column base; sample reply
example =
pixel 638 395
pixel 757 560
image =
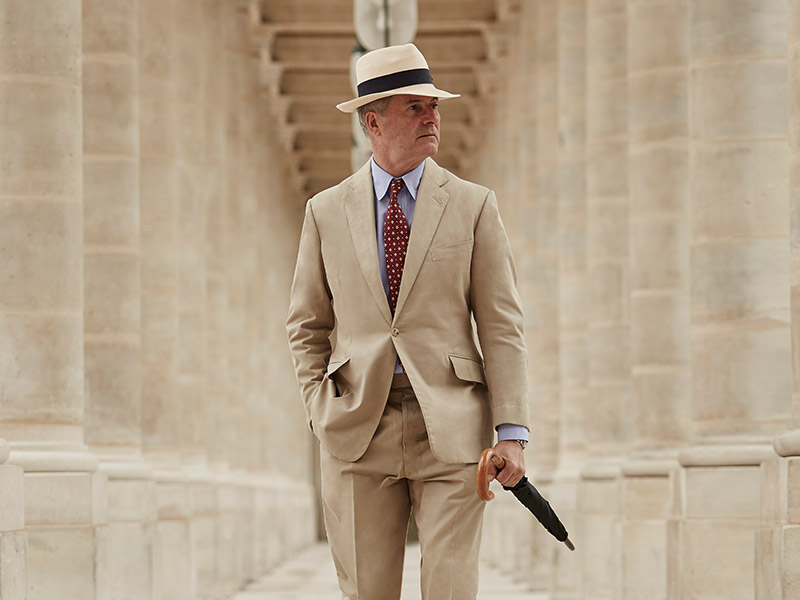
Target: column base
pixel 721 516
pixel 778 556
pixel 131 525
pixel 13 538
pixel 65 500
pixel 649 499
pixel 172 574
pixel 599 490
pixel 564 568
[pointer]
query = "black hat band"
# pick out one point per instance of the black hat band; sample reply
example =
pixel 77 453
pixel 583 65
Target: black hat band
pixel 393 81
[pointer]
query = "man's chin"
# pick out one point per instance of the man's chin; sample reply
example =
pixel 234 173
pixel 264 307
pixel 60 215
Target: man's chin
pixel 431 143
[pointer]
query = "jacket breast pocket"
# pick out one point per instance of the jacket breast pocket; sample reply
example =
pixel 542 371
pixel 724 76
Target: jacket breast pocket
pixel 451 251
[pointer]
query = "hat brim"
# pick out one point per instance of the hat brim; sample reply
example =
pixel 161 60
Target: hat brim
pixel 420 89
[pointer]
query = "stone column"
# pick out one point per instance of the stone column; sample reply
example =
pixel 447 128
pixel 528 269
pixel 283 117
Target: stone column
pixel 41 298
pixel 523 133
pixel 238 425
pixel 13 540
pixel 659 286
pixel 505 165
pixel 542 236
pixel 189 84
pixel 112 335
pixel 741 354
pixel 17 207
pixel 159 216
pixel 205 521
pixel 781 575
pixel 573 283
pixel 608 400
pixel 540 33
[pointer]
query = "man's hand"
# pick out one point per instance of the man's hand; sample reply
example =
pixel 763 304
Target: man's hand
pixel 514 470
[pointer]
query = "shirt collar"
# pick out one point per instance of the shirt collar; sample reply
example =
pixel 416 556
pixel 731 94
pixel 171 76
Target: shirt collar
pixel 381 179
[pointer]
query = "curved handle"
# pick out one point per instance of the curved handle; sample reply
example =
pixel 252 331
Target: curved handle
pixel 484 493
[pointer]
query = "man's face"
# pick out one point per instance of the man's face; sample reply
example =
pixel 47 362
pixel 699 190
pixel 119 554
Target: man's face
pixel 407 134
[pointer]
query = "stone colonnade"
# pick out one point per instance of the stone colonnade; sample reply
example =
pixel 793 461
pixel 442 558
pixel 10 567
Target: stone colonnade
pixel 657 242
pixel 151 441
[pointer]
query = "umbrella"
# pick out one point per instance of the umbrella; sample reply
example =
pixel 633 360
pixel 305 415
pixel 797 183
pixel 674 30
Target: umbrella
pixel 528 495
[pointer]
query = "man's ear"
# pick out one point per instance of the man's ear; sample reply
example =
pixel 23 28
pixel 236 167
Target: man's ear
pixel 371 121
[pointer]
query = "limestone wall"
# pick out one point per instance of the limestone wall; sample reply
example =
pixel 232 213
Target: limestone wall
pixel 152 444
pixel 674 268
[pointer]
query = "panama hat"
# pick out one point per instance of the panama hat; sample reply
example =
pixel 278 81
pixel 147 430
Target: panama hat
pixel 390 71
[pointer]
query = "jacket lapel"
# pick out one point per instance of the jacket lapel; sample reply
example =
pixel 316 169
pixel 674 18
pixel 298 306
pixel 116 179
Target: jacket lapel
pixel 431 201
pixel 359 206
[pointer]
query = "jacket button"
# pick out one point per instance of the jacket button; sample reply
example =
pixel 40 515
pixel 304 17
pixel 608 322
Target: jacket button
pixel 395 331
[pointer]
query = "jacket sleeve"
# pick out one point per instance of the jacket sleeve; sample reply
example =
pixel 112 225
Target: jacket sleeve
pixel 311 318
pixel 497 309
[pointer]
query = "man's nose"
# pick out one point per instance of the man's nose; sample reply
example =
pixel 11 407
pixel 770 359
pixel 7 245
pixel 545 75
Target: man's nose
pixel 431 115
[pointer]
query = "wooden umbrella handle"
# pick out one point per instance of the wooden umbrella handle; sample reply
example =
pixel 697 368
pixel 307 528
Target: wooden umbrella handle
pixel 484 493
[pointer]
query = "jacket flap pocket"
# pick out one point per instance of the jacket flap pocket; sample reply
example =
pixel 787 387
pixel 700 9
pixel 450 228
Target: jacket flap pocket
pixel 467 369
pixel 335 365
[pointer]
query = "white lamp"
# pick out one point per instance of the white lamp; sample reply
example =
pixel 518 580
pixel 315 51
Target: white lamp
pixel 381 23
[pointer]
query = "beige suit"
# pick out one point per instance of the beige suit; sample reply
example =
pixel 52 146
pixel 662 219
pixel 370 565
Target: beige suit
pixel 458 264
pixel 345 342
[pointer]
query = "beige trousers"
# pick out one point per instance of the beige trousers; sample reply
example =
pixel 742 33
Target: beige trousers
pixel 367 505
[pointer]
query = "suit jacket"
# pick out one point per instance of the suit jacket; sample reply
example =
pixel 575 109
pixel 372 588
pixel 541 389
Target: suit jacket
pixel 468 376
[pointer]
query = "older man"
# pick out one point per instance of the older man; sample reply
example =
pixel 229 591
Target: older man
pixel 405 326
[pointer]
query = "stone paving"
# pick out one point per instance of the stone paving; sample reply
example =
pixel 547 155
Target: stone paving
pixel 310 576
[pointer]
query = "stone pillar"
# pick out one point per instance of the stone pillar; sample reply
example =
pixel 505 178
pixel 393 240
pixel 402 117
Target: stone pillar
pixel 238 426
pixel 17 207
pixel 112 335
pixel 13 540
pixel 543 244
pixel 41 283
pixel 542 232
pixel 659 287
pixel 608 400
pixel 523 128
pixel 189 83
pixel 159 217
pixel 573 284
pixel 793 20
pixel 506 165
pixel 741 355
pixel 204 507
pixel 780 577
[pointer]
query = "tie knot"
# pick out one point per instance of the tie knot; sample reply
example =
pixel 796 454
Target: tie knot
pixel 395 187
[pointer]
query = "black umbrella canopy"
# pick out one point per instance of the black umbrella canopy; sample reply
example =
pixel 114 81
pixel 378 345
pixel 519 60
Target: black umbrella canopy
pixel 528 496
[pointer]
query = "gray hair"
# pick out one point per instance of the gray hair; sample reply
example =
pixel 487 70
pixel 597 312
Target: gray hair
pixel 379 106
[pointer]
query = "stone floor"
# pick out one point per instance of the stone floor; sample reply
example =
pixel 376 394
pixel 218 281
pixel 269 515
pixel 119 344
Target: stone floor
pixel 310 576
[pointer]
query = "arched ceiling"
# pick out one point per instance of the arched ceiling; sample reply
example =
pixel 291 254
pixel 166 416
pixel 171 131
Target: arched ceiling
pixel 305 48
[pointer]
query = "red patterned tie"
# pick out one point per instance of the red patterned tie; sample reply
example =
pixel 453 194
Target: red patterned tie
pixel 395 241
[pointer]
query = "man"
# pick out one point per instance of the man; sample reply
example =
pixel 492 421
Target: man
pixel 394 264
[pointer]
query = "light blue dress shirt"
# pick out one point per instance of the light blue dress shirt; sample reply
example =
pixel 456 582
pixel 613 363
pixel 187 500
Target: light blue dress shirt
pixel 407 199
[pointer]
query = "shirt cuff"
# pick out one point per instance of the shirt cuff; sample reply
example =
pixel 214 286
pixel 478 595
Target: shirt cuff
pixel 507 431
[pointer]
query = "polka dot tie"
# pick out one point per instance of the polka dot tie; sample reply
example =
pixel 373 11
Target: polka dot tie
pixel 395 241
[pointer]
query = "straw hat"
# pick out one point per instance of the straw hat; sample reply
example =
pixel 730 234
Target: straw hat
pixel 390 71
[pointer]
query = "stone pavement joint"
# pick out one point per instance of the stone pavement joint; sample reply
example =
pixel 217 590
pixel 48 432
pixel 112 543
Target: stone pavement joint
pixel 310 575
